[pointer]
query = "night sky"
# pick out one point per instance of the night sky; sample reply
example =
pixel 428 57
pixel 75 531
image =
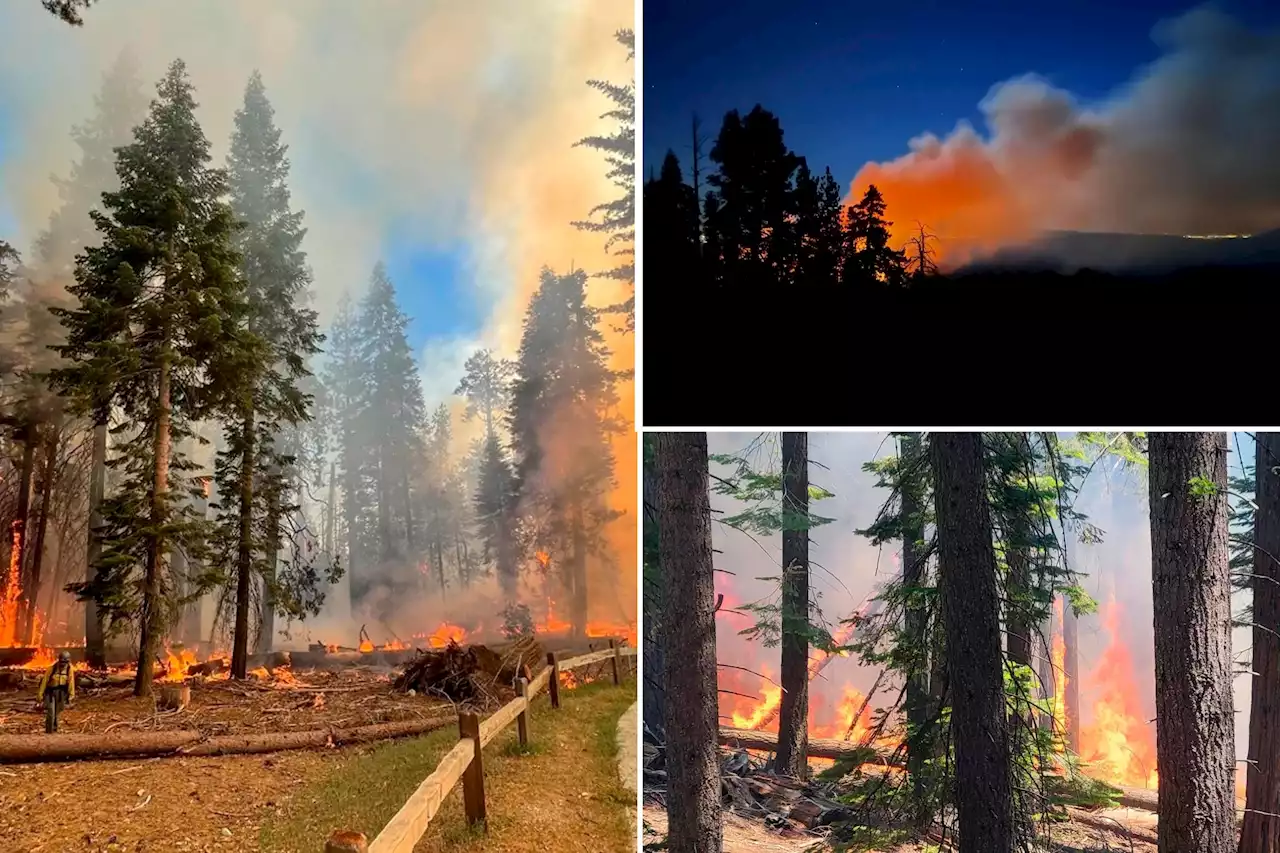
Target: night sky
pixel 853 82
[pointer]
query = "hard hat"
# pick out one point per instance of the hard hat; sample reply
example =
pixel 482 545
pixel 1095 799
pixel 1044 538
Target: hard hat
pixel 64 656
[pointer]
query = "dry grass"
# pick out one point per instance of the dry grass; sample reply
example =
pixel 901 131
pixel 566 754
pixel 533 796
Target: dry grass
pixel 564 794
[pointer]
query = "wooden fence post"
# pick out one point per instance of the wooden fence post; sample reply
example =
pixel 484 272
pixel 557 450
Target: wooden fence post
pixel 473 777
pixel 617 662
pixel 554 684
pixel 342 841
pixel 522 721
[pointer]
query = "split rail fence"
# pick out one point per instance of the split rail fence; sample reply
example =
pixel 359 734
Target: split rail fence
pixel 465 761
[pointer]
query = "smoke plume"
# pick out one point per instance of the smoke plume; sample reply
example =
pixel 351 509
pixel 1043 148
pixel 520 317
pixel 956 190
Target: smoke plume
pixel 1186 147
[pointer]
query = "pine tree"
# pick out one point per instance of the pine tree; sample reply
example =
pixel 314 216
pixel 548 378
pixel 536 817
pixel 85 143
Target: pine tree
pixel 346 380
pixel 392 419
pixel 487 387
pixel 870 261
pixel 618 217
pixel 120 105
pixel 560 427
pixel 252 467
pixel 793 717
pixel 671 225
pixel 160 301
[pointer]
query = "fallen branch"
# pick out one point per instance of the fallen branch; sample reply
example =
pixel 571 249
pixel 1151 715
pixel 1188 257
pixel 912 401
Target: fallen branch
pixel 1139 798
pixel 36 748
pixel 818 747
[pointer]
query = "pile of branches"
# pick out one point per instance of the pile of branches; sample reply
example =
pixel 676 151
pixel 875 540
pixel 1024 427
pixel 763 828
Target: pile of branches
pixel 471 675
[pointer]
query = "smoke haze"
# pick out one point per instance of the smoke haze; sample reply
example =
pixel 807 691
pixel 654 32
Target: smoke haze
pixel 1187 146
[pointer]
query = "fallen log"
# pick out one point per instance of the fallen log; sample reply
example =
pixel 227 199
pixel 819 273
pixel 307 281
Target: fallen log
pixel 37 748
pixel 818 747
pixel 1139 798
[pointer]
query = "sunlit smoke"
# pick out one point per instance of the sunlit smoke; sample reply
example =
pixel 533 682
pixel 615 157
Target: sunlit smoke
pixel 1185 147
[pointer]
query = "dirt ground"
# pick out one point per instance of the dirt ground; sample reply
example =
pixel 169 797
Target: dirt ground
pixel 162 804
pixel 284 701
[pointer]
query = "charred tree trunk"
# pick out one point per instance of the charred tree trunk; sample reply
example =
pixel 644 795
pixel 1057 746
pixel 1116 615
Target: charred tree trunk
pixel 94 636
pixel 971 612
pixel 1191 596
pixel 1044 670
pixel 244 550
pixel 152 607
pixel 695 821
pixel 917 616
pixel 1261 831
pixel 48 481
pixel 793 715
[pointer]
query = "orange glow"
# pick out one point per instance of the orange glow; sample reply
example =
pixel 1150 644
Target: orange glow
pixel 366 646
pixel 1119 745
pixel 177 664
pixel 614 630
pixel 444 635
pixel 543 558
pixel 12 591
pixel 1058 658
pixel 553 624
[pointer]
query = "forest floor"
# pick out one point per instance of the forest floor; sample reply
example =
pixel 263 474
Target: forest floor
pixel 563 793
pixel 280 700
pixel 1105 831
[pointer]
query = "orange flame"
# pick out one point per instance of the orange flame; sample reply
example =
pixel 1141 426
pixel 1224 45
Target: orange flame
pixel 366 646
pixel 12 591
pixel 543 558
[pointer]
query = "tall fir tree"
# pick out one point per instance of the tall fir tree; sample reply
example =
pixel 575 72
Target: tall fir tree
pixel 617 217
pixel 561 421
pixel 160 301
pixel 252 470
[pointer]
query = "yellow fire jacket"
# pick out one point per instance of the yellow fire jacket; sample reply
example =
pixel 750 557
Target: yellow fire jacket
pixel 59 675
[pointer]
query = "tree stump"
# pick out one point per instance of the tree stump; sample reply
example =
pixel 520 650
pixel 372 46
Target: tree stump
pixel 342 841
pixel 174 697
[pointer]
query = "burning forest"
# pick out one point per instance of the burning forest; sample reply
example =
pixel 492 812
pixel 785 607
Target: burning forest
pixel 1081 673
pixel 305 427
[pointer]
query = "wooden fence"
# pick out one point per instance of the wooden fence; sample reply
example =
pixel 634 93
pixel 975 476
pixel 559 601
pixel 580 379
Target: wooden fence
pixel 465 761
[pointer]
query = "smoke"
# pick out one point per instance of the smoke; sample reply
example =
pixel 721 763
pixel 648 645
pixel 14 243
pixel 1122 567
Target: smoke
pixel 1185 147
pixel 846 571
pixel 436 123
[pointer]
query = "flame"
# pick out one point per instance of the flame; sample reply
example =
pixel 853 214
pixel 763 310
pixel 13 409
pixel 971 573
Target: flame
pixel 543 558
pixel 12 591
pixel 614 630
pixel 394 646
pixel 177 664
pixel 366 646
pixel 553 624
pixel 1119 745
pixel 1058 659
pixel 443 635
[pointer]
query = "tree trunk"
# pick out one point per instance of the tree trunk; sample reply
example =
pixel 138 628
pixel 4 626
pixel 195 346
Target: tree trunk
pixel 916 618
pixel 267 616
pixel 694 818
pixel 152 607
pixel 1261 831
pixel 578 566
pixel 1071 674
pixel 653 590
pixel 94 635
pixel 384 507
pixel 1018 587
pixel 244 548
pixel 42 528
pixel 793 714
pixel 1044 670
pixel 971 613
pixel 410 535
pixel 1191 598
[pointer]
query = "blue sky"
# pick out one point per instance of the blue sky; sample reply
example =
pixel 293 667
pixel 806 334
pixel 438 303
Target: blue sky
pixel 854 81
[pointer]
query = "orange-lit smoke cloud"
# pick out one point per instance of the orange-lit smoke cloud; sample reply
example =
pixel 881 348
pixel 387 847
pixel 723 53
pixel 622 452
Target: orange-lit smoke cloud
pixel 1186 147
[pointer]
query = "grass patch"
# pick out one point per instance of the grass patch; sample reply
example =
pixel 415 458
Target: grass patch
pixel 560 793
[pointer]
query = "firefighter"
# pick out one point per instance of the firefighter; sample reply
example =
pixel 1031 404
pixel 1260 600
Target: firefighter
pixel 57 689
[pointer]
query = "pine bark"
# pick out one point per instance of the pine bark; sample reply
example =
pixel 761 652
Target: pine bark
pixel 18 531
pixel 653 595
pixel 244 549
pixel 267 616
pixel 971 615
pixel 793 715
pixel 694 818
pixel 1191 595
pixel 94 636
pixel 1261 830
